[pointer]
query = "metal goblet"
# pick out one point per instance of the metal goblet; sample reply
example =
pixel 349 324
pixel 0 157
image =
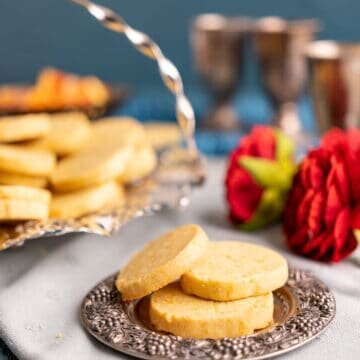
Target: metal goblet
pixel 217 43
pixel 280 46
pixel 335 84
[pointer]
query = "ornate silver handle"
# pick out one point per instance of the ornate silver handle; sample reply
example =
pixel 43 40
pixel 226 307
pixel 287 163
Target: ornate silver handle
pixel 168 71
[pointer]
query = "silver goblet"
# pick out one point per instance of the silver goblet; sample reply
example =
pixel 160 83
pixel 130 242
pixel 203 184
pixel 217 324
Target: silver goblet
pixel 335 84
pixel 280 46
pixel 217 43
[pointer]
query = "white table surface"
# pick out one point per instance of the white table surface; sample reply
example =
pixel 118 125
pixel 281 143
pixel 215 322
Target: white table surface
pixel 42 283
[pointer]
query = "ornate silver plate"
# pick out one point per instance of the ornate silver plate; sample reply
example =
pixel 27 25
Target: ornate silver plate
pixel 304 308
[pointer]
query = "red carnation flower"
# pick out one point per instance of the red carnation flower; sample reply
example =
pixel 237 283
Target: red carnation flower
pixel 259 174
pixel 322 209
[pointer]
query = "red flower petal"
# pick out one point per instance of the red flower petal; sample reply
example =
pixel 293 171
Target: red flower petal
pixel 342 227
pixel 297 240
pixel 290 212
pixel 312 247
pixel 317 177
pixel 346 250
pixel 353 139
pixel 264 138
pixel 303 208
pixel 248 146
pixel 332 207
pixel 305 173
pixel 353 169
pixel 315 222
pixel 324 250
pixel 243 194
pixel 333 139
pixel 338 177
pixel 355 217
pixel 345 241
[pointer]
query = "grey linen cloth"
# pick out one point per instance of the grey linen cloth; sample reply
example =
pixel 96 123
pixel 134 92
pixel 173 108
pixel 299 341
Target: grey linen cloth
pixel 43 283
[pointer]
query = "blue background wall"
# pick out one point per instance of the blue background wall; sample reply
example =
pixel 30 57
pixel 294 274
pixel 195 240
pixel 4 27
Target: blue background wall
pixel 35 33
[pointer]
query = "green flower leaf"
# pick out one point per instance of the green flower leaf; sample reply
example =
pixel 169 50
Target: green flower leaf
pixel 284 146
pixel 269 209
pixel 269 173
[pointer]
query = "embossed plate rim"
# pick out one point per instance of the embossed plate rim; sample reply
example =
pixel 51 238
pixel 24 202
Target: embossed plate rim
pixel 317 305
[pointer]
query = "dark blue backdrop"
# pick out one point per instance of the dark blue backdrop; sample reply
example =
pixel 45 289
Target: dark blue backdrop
pixel 35 33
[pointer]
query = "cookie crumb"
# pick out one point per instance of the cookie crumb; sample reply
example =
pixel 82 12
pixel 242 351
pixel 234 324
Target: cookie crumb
pixel 59 337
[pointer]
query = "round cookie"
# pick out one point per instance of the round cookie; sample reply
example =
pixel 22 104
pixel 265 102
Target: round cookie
pixel 20 160
pixel 69 133
pixel 20 210
pixel 162 134
pixel 82 202
pixel 231 270
pixel 15 179
pixel 23 127
pixel 117 130
pixel 162 261
pixel 24 193
pixel 23 203
pixel 188 316
pixel 91 167
pixel 142 163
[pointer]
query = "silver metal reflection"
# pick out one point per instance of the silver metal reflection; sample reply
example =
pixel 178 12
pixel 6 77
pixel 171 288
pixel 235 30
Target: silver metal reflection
pixel 168 71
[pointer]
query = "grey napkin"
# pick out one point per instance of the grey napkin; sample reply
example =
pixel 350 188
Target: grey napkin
pixel 43 283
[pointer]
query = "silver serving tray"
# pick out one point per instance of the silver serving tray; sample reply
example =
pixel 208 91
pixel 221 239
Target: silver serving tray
pixel 304 308
pixel 168 187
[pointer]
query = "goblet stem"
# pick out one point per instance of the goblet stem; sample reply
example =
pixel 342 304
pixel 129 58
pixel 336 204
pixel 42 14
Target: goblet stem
pixel 222 117
pixel 288 119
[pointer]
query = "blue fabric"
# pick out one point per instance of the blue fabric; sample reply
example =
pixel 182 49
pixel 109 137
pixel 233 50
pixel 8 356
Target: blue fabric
pixel 253 108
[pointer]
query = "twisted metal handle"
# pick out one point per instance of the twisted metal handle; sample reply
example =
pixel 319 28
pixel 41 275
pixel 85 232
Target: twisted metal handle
pixel 144 44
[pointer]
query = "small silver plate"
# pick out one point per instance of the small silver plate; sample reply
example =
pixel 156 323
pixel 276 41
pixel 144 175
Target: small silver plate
pixel 304 308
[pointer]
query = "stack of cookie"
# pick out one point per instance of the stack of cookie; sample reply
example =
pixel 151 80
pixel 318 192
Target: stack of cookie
pixel 204 289
pixel 23 169
pixel 81 167
pixel 87 180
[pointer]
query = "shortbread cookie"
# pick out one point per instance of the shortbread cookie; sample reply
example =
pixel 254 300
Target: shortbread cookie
pixel 20 160
pixel 162 261
pixel 117 130
pixel 69 133
pixel 23 203
pixel 24 192
pixel 15 179
pixel 19 210
pixel 82 202
pixel 91 167
pixel 142 163
pixel 23 127
pixel 231 270
pixel 162 134
pixel 188 316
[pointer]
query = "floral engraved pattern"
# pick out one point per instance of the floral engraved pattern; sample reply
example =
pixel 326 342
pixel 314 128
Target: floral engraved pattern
pixel 116 324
